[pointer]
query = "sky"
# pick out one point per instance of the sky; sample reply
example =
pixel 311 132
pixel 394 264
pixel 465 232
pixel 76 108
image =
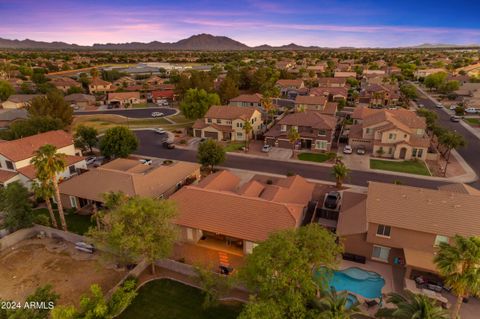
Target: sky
pixel 359 23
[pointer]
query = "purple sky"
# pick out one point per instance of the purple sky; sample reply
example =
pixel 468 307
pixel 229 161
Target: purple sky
pixel 381 23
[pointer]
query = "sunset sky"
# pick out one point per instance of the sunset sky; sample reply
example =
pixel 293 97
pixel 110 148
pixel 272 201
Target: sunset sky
pixel 365 23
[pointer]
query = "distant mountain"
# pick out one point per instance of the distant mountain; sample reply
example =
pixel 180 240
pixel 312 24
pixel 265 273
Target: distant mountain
pixel 199 42
pixel 442 45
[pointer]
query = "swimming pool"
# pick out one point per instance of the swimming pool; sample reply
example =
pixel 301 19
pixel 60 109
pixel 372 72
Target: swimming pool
pixel 368 284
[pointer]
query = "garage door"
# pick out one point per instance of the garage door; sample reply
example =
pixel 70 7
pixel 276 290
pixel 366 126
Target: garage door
pixel 198 133
pixel 212 135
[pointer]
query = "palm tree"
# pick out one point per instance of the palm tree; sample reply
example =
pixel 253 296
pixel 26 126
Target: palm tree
pixel 247 127
pixel 451 140
pixel 333 305
pixel 268 105
pixel 340 171
pixel 293 137
pixel 459 264
pixel 48 163
pixel 44 189
pixel 412 306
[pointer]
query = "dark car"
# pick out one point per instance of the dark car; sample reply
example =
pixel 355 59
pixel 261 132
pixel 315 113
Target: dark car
pixel 168 145
pixel 332 200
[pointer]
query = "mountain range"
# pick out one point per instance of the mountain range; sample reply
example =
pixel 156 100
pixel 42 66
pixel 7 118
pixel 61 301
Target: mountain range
pixel 199 42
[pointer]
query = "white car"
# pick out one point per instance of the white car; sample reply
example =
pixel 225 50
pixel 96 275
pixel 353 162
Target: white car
pixel 162 102
pixel 347 149
pixel 146 161
pixel 471 110
pixel 90 160
pixel 157 114
pixel 420 105
pixel 160 130
pixel 453 107
pixel 266 148
pixel 439 105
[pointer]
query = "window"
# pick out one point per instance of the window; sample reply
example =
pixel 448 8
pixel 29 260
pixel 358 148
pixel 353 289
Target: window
pixel 440 239
pixel 71 169
pixel 420 153
pixel 322 133
pixel 414 152
pixel 283 128
pixel 189 234
pixel 229 122
pixel 73 202
pixel 380 253
pixel 209 120
pixel 368 130
pixel 240 124
pixel 239 134
pixel 383 230
pixel 219 121
pixel 390 150
pixel 392 136
pixel 321 145
pixel 9 165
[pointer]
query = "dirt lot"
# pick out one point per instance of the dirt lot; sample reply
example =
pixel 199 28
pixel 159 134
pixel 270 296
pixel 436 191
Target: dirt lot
pixel 36 262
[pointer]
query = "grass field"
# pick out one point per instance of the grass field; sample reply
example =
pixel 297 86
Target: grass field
pixel 167 299
pixel 234 146
pixel 411 167
pixel 473 121
pixel 316 157
pixel 78 224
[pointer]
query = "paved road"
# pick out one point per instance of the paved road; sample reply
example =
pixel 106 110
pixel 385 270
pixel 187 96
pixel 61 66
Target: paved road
pixel 471 152
pixel 151 145
pixel 132 113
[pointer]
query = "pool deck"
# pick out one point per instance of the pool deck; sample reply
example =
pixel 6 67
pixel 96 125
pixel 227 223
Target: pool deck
pixel 384 270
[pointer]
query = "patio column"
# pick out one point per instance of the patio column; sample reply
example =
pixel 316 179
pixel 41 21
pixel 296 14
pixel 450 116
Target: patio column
pixel 408 272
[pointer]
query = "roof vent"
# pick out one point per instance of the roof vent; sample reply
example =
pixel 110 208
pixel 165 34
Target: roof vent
pixel 404 195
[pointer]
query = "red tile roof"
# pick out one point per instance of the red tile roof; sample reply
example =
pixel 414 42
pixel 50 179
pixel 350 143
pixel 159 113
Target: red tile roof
pixel 29 171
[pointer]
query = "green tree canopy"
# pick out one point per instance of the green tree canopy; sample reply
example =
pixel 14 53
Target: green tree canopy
pixel 279 270
pixel 409 305
pixel 118 141
pixel 409 91
pixel 435 80
pixel 210 154
pixel 52 105
pixel 75 89
pixel 44 294
pixel 15 203
pixel 6 90
pixel 86 137
pixel 196 103
pixel 31 126
pixel 228 89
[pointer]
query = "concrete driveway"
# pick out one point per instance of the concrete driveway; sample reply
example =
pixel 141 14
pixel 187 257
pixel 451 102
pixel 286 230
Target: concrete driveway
pixel 355 161
pixel 280 153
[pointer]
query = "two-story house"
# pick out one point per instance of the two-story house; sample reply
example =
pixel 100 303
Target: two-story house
pixel 15 157
pixel 332 82
pixel 316 131
pixel 226 123
pixel 397 134
pixel 404 225
pixel 287 86
pixel 379 95
pixel 331 93
pixel 98 85
pixel 247 100
pixel 64 83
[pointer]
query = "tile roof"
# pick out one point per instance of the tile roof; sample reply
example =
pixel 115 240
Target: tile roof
pixel 313 119
pixel 296 83
pixel 459 188
pixel 24 148
pixel 249 98
pixel 230 112
pixel 343 91
pixel 64 81
pixel 30 172
pixel 22 98
pixel 97 82
pixel 353 214
pixel 424 210
pixel 401 116
pixel 5 175
pixel 123 95
pixel 310 100
pixel 79 97
pixel 13 114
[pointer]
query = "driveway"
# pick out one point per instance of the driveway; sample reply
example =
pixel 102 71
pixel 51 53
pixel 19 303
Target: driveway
pixel 280 153
pixel 132 113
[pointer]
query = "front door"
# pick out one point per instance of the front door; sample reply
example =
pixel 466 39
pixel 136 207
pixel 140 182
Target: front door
pixel 403 152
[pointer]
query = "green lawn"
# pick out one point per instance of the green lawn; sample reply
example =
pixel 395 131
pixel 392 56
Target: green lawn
pixel 78 224
pixel 412 167
pixel 234 146
pixel 167 299
pixel 473 121
pixel 139 105
pixel 316 157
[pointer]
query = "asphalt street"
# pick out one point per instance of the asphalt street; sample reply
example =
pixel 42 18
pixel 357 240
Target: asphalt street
pixel 151 145
pixel 131 113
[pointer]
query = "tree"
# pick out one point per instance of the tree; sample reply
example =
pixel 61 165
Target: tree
pixel 197 102
pixel 213 285
pixel 409 92
pixel 6 90
pixel 210 154
pixel 340 171
pixel 449 86
pixel 52 105
pixel 293 137
pixel 268 105
pixel 228 89
pixel 48 163
pixel 86 137
pixel 247 127
pixel 457 262
pixel 94 73
pixel 333 305
pixel 118 141
pixel 43 188
pixel 279 270
pixel 451 140
pixel 261 309
pixel 31 126
pixel 139 228
pixel 409 305
pixel 435 80
pixel 430 117
pixel 15 203
pixel 74 89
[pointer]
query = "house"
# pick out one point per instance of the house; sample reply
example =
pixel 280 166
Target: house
pixel 397 134
pixel 403 225
pixel 310 102
pixel 332 82
pixel 248 100
pixel 226 123
pixel 124 99
pixel 15 157
pixel 154 80
pixel 286 86
pixel 124 82
pixel 8 116
pixel 418 74
pixel 379 94
pixel 470 70
pixel 222 211
pixel 18 101
pixel 64 83
pixel 81 100
pixel 130 177
pixel 331 93
pixel 98 85
pixel 318 68
pixel 316 131
pixel 373 72
pixel 163 95
pixel 349 74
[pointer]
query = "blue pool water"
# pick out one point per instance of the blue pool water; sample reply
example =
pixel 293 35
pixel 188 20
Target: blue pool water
pixel 365 283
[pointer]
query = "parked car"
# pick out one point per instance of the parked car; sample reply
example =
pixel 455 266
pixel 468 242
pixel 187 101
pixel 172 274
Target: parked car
pixel 421 105
pixel 453 107
pixel 439 105
pixel 162 102
pixel 361 150
pixel 168 144
pixel 471 110
pixel 347 149
pixel 146 161
pixel 90 160
pixel 157 114
pixel 455 118
pixel 160 130
pixel 266 148
pixel 332 200
pixel 99 161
